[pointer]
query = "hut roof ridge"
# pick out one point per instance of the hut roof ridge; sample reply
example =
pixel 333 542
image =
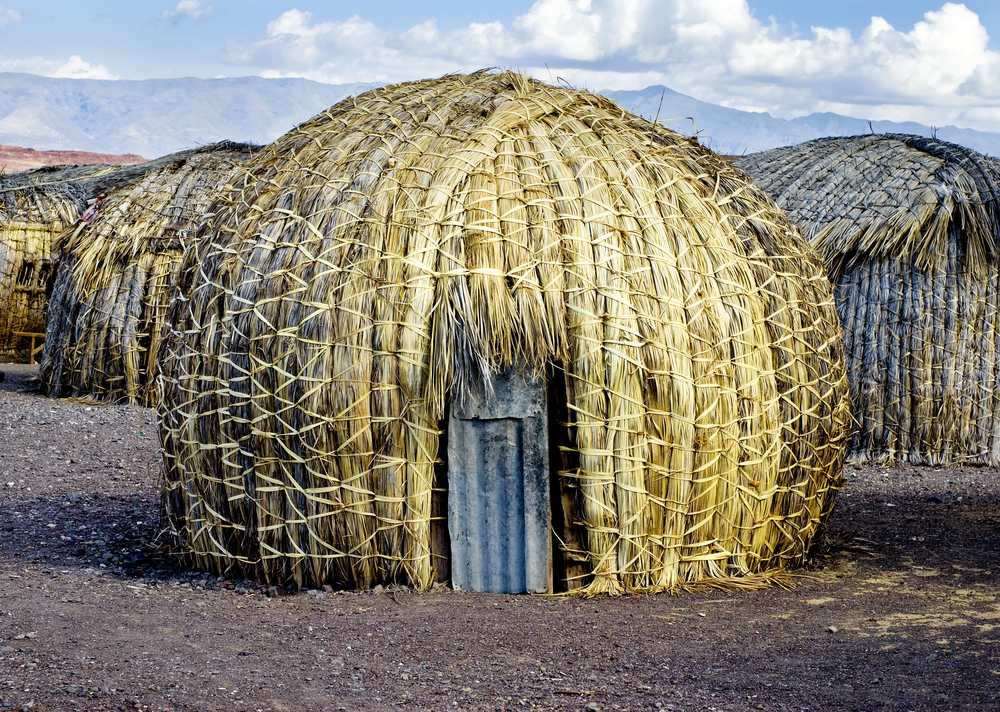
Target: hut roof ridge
pixel 885 194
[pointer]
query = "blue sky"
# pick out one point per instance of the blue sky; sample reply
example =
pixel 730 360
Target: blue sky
pixel 924 60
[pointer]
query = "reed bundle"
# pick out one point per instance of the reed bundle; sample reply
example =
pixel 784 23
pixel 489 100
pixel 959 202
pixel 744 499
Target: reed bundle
pixel 30 218
pixel 112 282
pixel 386 255
pixel 908 227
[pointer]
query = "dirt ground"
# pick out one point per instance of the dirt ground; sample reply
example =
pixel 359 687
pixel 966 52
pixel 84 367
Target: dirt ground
pixel 93 618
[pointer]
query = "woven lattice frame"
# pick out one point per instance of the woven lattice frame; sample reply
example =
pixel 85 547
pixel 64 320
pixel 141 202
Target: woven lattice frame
pixel 383 256
pixel 113 281
pixel 30 219
pixel 908 227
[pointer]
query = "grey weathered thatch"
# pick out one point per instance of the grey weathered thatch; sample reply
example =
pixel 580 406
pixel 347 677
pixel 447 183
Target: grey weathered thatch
pixel 382 257
pixel 98 178
pixel 908 227
pixel 30 218
pixel 114 274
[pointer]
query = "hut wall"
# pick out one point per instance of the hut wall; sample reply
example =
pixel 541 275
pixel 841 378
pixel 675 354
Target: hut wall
pixel 30 219
pixel 922 349
pixel 25 262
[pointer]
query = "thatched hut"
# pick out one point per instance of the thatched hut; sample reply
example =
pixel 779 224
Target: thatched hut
pixel 908 227
pixel 112 283
pixel 30 218
pixel 383 270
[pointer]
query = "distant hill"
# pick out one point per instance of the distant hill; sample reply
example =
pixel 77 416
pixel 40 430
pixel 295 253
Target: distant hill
pixel 734 132
pixel 154 117
pixel 15 158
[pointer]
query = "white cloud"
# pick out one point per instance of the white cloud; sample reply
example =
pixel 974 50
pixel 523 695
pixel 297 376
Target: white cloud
pixel 939 71
pixel 9 17
pixel 571 29
pixel 73 68
pixel 593 79
pixel 195 9
pixel 932 60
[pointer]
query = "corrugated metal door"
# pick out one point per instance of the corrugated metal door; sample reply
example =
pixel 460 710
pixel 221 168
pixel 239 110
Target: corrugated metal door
pixel 498 489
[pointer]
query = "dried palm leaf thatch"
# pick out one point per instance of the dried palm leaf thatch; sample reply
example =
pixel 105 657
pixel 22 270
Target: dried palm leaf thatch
pixel 112 284
pixel 30 218
pixel 100 178
pixel 390 253
pixel 908 227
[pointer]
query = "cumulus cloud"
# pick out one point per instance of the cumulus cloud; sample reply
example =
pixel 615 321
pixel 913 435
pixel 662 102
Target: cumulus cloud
pixel 940 70
pixel 195 9
pixel 937 56
pixel 73 68
pixel 9 17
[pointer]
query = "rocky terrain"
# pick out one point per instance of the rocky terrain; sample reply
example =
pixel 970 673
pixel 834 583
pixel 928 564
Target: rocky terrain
pixel 896 611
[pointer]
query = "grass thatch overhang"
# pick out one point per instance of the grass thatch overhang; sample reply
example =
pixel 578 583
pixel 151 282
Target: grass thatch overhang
pixel 908 227
pixel 382 257
pixel 30 218
pixel 112 283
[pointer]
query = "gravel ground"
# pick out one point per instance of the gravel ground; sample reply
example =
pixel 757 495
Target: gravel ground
pixel 897 611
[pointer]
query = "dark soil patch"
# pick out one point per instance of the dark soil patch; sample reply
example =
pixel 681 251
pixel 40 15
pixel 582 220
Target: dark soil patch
pixel 903 615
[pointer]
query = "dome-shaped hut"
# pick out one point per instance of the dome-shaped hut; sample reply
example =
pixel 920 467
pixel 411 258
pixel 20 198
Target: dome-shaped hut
pixel 31 216
pixel 386 266
pixel 114 273
pixel 908 227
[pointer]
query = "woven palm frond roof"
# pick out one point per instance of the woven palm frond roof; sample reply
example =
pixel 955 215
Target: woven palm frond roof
pixel 155 206
pixel 885 195
pixel 46 204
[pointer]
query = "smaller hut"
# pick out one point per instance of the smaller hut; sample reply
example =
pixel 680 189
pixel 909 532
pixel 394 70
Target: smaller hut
pixel 30 218
pixel 114 274
pixel 908 227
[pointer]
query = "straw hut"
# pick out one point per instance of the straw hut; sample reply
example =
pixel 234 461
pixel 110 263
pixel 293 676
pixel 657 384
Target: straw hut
pixel 395 271
pixel 112 284
pixel 30 218
pixel 908 228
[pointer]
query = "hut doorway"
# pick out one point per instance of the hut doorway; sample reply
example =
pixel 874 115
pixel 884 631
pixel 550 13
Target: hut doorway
pixel 499 510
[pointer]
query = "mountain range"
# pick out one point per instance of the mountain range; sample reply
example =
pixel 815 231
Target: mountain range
pixel 735 132
pixel 154 117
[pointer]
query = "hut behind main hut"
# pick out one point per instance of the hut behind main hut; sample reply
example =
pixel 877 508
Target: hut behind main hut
pixel 384 268
pixel 30 218
pixel 908 227
pixel 112 283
